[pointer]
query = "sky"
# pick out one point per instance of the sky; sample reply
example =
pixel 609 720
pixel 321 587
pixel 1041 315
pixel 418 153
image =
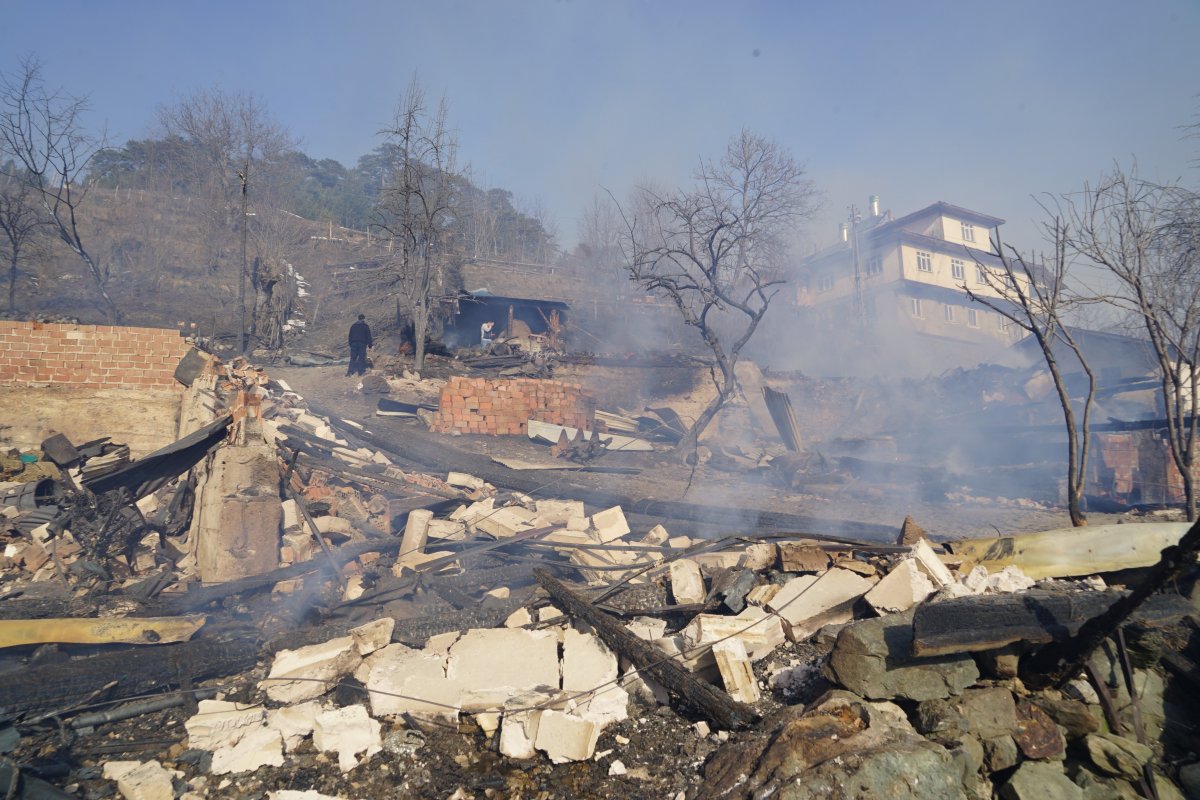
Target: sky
pixel 984 105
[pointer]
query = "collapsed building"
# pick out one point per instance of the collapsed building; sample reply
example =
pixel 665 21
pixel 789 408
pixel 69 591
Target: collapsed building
pixel 318 608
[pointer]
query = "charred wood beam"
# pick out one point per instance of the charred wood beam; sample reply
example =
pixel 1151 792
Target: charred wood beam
pixel 715 704
pixel 132 672
pixel 147 474
pixel 1058 662
pixel 988 622
pixel 434 455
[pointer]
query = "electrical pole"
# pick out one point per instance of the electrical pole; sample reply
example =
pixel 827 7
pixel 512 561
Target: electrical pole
pixel 860 307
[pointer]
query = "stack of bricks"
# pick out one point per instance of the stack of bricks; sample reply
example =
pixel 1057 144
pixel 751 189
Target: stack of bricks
pixel 89 356
pixel 502 407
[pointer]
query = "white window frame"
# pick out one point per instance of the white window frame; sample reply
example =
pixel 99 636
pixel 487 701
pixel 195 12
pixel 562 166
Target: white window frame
pixel 948 313
pixel 958 269
pixel 968 231
pixel 914 307
pixel 924 261
pixel 875 266
pixel 825 283
pixel 972 318
pixel 981 275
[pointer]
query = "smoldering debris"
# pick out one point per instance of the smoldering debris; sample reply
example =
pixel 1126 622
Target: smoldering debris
pixel 334 618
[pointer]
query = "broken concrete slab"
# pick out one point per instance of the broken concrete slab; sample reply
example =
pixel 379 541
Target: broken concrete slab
pixel 901 589
pixel 416 533
pixel 610 524
pixel 258 748
pixel 807 603
pixel 347 731
pixel 504 522
pixel 309 672
pixel 587 663
pixel 403 681
pixel 565 737
pixel 504 657
pixel 294 722
pixel 803 556
pixel 147 780
pixel 238 515
pixel 933 566
pixel 220 723
pixel 373 635
pixel 687 584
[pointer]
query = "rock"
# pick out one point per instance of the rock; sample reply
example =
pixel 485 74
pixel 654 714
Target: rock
pixel 1000 753
pixel 374 635
pixel 1002 663
pixel 347 731
pixel 832 750
pixel 1116 755
pixel 1040 780
pixel 1036 734
pixel 968 754
pixel 872 658
pixel 1189 779
pixel 1070 714
pixel 940 720
pixel 803 556
pixel 989 712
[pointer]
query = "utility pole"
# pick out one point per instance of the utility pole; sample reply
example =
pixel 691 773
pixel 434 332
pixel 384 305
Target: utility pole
pixel 244 177
pixel 860 307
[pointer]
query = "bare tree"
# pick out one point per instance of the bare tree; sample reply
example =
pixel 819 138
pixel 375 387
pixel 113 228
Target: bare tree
pixel 21 218
pixel 418 208
pixel 234 145
pixel 1035 299
pixel 1147 237
pixel 716 250
pixel 44 132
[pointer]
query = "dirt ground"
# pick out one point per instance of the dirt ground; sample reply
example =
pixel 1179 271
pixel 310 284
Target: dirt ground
pixel 663 477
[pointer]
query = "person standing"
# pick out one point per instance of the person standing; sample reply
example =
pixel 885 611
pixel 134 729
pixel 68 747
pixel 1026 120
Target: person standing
pixel 360 340
pixel 485 333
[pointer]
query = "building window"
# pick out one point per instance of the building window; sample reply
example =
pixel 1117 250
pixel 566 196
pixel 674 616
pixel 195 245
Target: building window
pixel 957 269
pixel 915 306
pixel 980 275
pixel 973 317
pixel 924 262
pixel 825 283
pixel 948 311
pixel 875 266
pixel 968 232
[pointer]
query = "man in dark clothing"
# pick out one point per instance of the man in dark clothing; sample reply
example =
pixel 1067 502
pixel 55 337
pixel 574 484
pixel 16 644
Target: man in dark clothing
pixel 360 340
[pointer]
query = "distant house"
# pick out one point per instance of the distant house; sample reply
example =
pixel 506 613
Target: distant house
pixel 1112 357
pixel 521 299
pixel 910 275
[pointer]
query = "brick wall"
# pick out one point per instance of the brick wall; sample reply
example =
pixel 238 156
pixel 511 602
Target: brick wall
pixel 88 356
pixel 501 407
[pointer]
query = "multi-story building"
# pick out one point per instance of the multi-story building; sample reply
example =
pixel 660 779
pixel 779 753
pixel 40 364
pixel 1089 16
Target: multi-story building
pixel 887 278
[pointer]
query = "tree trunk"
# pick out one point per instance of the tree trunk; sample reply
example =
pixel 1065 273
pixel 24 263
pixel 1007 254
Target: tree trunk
pixel 12 283
pixel 242 332
pixel 420 326
pixel 114 315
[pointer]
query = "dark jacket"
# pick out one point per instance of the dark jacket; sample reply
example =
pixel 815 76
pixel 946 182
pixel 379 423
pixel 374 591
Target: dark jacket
pixel 360 333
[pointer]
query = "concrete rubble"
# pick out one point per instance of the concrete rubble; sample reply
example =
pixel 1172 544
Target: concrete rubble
pixel 433 629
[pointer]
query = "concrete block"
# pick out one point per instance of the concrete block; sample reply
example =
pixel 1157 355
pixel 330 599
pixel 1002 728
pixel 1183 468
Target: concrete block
pixel 762 595
pixel 579 524
pixel 736 673
pixel 219 723
pixel 712 562
pixel 586 662
pixel 519 619
pixel 504 657
pixel 687 585
pixel 447 529
pixel 610 524
pixel 319 666
pixel 347 731
pixel 557 512
pixel 760 556
pixel 416 533
pixel 405 681
pixel 519 727
pixel 679 542
pixel 374 635
pixel 147 780
pixel 337 526
pixel 807 603
pixel 564 737
pixel 657 536
pixel 901 589
pixel 931 565
pixel 295 722
pixel 292 519
pixel 648 628
pixel 504 522
pixel 258 748
pixel 464 480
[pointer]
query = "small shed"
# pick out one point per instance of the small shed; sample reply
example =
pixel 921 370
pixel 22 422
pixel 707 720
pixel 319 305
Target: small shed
pixel 518 317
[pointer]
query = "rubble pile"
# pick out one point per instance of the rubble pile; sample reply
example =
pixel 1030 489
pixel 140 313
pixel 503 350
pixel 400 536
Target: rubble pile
pixel 320 602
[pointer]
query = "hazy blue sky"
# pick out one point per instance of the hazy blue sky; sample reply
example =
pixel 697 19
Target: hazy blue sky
pixel 978 104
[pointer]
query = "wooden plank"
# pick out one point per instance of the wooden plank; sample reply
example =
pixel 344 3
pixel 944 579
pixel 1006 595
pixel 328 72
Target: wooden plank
pixel 103 630
pixel 988 622
pixel 780 406
pixel 1070 552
